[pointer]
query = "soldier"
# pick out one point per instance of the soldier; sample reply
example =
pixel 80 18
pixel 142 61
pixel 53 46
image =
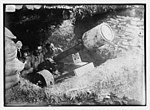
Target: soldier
pixel 33 66
pixel 51 52
pixel 56 50
pixel 28 62
pixel 37 57
pixel 49 63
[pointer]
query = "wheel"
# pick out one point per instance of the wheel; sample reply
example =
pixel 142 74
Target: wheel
pixel 48 77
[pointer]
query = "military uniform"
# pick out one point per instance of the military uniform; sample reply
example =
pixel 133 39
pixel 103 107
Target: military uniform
pixel 36 60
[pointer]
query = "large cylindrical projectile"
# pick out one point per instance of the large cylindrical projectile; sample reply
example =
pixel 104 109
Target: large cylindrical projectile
pixel 98 36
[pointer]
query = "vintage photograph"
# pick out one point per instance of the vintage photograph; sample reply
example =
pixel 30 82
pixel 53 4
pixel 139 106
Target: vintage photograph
pixel 74 55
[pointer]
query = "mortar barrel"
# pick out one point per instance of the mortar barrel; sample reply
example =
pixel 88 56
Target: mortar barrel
pixel 92 39
pixel 68 52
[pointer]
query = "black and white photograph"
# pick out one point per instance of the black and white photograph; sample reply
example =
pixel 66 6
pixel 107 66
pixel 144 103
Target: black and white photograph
pixel 74 54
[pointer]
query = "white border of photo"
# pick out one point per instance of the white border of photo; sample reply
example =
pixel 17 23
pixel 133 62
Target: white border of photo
pixel 75 2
